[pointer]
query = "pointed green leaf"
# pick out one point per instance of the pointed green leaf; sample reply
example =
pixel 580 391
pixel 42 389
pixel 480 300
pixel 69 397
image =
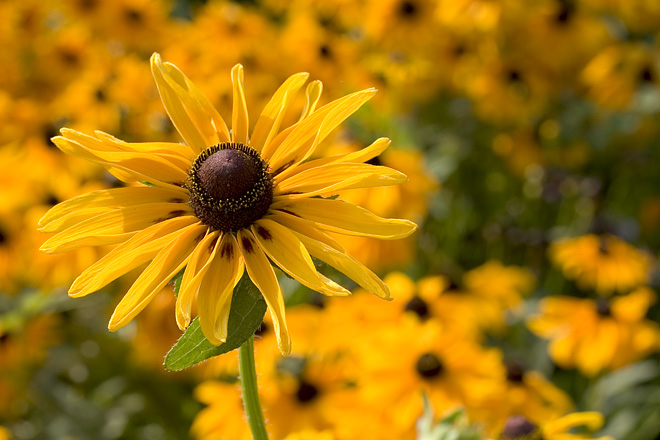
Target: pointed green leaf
pixel 247 313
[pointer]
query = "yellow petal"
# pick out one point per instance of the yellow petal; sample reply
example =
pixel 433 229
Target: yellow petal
pixel 306 227
pixel 239 118
pixel 193 276
pixel 263 276
pixel 308 133
pixel 633 307
pixel 161 148
pixel 141 166
pixel 359 156
pixel 339 176
pixel 314 241
pixel 139 249
pixel 271 117
pixel 114 226
pixel 158 273
pixel 591 419
pixel 203 109
pixel 345 218
pixel 175 105
pixel 282 246
pixel 217 288
pixel 313 94
pixel 84 206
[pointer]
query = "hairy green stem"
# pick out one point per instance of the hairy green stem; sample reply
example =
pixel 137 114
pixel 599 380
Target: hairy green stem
pixel 248 374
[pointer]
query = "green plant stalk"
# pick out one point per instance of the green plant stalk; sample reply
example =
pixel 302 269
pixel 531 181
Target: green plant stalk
pixel 248 376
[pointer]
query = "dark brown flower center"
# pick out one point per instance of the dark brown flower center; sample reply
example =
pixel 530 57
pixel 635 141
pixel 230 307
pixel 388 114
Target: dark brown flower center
pixel 429 366
pixel 418 306
pixel 306 392
pixel 515 373
pixel 230 187
pixel 519 428
pixel 603 307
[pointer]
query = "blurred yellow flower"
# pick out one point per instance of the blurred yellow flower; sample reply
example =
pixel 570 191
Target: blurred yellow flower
pixel 603 263
pixel 222 203
pixel 594 335
pixel 416 357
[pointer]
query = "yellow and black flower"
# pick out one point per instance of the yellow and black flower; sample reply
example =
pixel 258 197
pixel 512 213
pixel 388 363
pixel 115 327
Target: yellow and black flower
pixel 224 202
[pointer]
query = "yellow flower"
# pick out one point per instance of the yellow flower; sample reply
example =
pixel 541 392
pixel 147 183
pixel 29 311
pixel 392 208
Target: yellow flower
pixel 595 335
pixel 525 393
pixel 222 203
pixel 604 263
pixel 451 370
pixel 519 428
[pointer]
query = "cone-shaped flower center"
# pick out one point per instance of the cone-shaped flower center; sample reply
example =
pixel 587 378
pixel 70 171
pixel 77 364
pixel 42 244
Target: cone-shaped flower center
pixel 230 187
pixel 429 366
pixel 519 428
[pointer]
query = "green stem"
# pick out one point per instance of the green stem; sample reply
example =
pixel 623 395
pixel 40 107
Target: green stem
pixel 251 403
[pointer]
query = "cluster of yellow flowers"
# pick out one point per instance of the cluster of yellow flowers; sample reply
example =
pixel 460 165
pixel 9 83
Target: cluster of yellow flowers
pixel 359 365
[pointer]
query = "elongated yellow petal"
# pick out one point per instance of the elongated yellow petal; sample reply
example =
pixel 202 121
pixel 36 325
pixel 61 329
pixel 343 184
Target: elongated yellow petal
pixel 239 118
pixel 193 276
pixel 138 166
pixel 313 92
pixel 114 226
pixel 359 156
pixel 175 107
pixel 158 273
pixel 201 107
pixel 271 117
pixel 81 207
pixel 591 419
pixel 217 288
pixel 306 227
pixel 339 176
pixel 345 218
pixel 316 243
pixel 139 249
pixel 317 126
pixel 282 246
pixel 263 276
pixel 168 149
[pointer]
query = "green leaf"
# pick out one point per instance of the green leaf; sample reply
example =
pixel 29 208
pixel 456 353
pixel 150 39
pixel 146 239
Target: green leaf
pixel 247 313
pixel 178 278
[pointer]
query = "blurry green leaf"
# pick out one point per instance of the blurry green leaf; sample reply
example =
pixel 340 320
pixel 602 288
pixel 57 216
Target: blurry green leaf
pixel 178 278
pixel 454 426
pixel 247 312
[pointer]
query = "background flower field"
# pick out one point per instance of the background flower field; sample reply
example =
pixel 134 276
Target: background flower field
pixel 530 134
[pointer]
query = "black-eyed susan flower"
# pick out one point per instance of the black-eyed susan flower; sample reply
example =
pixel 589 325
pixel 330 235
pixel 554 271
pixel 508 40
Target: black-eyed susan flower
pixel 558 428
pixel 594 335
pixel 423 357
pixel 603 263
pixel 222 203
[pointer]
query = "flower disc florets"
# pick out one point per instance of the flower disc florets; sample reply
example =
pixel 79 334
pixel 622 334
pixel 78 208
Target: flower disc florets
pixel 429 366
pixel 230 186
